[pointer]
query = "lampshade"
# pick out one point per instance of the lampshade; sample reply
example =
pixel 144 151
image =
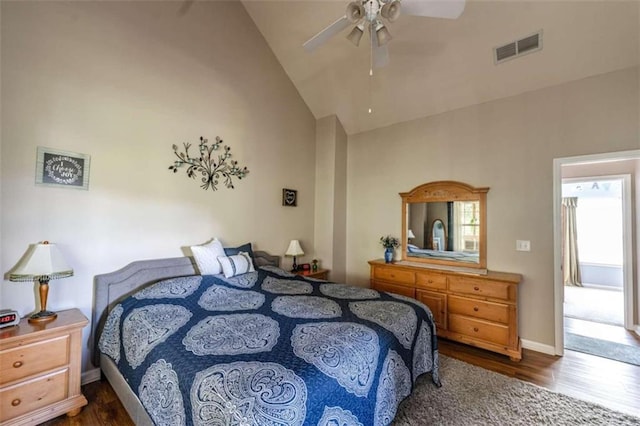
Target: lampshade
pixel 391 10
pixel 410 234
pixel 294 249
pixel 382 35
pixel 41 260
pixel 356 34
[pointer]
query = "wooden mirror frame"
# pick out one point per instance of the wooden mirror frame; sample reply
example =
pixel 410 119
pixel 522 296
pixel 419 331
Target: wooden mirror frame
pixel 443 191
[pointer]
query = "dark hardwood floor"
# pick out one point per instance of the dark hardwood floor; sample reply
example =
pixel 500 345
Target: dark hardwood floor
pixel 609 383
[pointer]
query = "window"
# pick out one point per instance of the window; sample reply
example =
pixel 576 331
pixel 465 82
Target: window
pixel 467 223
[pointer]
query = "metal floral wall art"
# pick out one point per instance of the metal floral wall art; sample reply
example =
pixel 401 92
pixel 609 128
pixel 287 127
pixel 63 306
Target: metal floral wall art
pixel 205 164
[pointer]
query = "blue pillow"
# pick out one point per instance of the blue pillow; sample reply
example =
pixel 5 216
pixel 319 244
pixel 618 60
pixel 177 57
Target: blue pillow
pixel 232 251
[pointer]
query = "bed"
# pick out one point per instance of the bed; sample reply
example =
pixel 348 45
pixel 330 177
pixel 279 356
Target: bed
pixel 264 348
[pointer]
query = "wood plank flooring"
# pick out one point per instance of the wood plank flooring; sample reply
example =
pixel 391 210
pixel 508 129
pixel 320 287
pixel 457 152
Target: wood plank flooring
pixel 609 383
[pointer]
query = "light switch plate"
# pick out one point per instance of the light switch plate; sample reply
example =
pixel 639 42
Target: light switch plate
pixel 523 245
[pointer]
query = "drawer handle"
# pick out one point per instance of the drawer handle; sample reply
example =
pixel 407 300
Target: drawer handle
pixel 17 364
pixel 476 288
pixel 430 281
pixel 16 402
pixel 475 329
pixel 476 309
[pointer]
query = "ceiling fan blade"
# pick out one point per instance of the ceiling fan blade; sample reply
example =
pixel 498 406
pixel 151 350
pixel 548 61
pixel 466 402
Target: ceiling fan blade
pixel 450 9
pixel 323 36
pixel 380 54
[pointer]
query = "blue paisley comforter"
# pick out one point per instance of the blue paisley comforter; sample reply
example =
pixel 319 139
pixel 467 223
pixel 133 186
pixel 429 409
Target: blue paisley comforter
pixel 269 348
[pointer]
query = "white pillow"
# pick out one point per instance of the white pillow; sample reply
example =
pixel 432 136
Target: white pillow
pixel 206 256
pixel 237 264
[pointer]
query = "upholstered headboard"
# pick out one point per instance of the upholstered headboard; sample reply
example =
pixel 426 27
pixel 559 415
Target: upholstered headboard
pixel 112 287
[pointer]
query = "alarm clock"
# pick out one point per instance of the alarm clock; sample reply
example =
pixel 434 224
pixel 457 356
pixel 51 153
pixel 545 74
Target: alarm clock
pixel 8 318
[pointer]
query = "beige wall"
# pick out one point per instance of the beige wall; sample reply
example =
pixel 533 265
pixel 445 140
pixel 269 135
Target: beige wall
pixel 330 196
pixel 508 145
pixel 123 82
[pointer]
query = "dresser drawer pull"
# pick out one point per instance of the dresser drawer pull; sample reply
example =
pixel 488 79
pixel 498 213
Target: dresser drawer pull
pixel 476 309
pixel 475 329
pixel 430 281
pixel 476 288
pixel 16 402
pixel 17 364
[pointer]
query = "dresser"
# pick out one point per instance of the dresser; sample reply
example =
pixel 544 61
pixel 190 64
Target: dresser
pixel 40 368
pixel 478 310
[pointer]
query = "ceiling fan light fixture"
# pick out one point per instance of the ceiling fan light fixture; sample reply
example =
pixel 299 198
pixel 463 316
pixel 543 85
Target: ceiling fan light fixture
pixel 382 35
pixel 391 10
pixel 355 12
pixel 356 34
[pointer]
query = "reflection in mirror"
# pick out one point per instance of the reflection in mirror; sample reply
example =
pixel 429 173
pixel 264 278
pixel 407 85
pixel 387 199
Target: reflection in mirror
pixel 445 230
pixel 444 223
pixel 438 236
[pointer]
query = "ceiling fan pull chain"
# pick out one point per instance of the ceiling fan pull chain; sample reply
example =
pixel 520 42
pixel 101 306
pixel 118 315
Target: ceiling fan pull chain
pixel 371 69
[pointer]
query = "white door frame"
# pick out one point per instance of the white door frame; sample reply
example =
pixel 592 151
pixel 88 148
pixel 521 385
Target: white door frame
pixel 557 238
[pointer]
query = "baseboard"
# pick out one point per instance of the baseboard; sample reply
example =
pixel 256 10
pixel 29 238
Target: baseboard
pixel 90 376
pixel 538 347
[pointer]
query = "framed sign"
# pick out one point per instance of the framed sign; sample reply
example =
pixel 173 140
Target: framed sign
pixel 289 197
pixel 62 168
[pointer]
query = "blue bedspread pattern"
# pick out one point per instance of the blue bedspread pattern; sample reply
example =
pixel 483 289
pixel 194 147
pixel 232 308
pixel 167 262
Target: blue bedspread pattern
pixel 269 348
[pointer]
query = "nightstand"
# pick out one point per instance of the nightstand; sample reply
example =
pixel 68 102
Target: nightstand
pixel 40 368
pixel 321 274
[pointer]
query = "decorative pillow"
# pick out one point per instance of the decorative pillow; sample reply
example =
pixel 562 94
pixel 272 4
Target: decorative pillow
pixel 236 265
pixel 206 257
pixel 230 251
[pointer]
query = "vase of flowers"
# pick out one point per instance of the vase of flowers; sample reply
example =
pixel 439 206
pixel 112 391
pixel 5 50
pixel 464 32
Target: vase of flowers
pixel 389 243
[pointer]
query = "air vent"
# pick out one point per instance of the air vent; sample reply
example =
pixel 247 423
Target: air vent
pixel 528 44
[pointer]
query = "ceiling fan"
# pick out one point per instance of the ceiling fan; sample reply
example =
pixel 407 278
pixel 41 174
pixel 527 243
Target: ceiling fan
pixel 369 14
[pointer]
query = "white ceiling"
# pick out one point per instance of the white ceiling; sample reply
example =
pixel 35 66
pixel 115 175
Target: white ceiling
pixel 438 65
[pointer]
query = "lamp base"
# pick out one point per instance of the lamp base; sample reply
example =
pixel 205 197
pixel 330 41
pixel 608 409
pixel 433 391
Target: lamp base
pixel 42 317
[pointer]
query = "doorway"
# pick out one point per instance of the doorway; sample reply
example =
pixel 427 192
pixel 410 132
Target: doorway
pixel 593 258
pixel 606 295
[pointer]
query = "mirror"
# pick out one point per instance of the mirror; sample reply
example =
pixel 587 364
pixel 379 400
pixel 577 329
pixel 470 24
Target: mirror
pixel 444 223
pixel 438 236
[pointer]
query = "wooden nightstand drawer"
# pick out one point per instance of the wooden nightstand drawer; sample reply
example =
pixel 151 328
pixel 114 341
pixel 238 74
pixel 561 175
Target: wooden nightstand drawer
pixel 479 309
pixel 40 370
pixel 479 287
pixel 33 394
pixel 433 281
pixel 479 329
pixel 27 360
pixel 320 274
pixel 394 275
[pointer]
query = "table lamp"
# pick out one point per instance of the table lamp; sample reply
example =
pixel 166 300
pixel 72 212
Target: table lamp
pixel 294 250
pixel 410 235
pixel 44 262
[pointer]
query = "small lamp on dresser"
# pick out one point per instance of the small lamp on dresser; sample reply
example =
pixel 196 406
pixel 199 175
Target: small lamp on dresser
pixel 294 250
pixel 42 262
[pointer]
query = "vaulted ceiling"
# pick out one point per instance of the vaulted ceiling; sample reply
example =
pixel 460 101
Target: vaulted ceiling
pixel 438 65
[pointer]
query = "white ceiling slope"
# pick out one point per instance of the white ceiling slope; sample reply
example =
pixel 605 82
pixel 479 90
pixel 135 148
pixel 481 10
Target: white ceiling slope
pixel 438 65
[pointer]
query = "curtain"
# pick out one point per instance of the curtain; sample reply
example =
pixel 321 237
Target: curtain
pixel 570 266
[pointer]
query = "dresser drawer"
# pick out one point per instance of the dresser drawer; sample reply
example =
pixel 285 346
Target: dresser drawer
pixel 479 309
pixel 431 281
pixel 479 287
pixel 479 329
pixel 437 303
pixel 24 361
pixel 394 288
pixel 394 275
pixel 33 394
